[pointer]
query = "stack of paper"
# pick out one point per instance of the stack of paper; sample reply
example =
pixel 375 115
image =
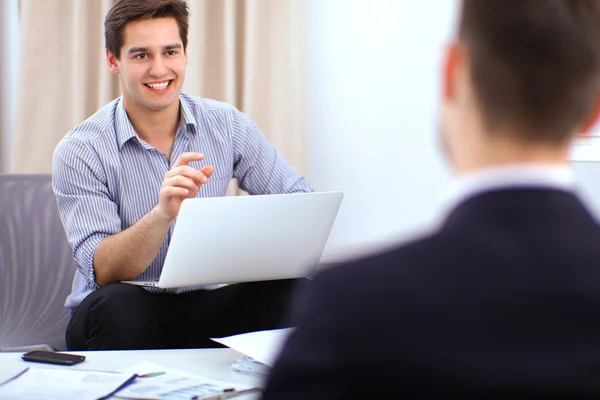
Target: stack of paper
pixel 46 383
pixel 142 381
pixel 261 350
pixel 157 382
pixel 249 366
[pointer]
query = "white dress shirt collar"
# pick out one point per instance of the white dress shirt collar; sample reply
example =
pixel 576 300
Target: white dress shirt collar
pixel 549 176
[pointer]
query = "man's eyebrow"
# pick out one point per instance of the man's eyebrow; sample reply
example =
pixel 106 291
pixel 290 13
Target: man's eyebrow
pixel 173 46
pixel 137 50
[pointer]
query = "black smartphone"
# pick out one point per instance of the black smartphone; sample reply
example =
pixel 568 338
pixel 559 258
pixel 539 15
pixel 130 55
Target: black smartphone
pixel 53 357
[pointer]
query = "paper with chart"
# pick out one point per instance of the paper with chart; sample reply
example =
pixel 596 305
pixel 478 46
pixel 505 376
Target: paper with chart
pixel 60 384
pixel 156 382
pixel 262 346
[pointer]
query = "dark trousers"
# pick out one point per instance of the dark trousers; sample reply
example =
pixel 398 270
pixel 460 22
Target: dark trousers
pixel 120 316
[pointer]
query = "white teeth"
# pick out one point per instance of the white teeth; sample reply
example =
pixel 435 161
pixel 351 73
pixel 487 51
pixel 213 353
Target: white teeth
pixel 158 86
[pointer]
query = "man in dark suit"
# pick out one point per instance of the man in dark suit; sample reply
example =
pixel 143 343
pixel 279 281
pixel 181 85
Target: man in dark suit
pixel 504 298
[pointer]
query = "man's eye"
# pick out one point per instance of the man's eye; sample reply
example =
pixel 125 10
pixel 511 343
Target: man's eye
pixel 171 52
pixel 140 56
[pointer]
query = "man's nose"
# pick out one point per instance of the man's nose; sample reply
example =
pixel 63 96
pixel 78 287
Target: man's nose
pixel 158 68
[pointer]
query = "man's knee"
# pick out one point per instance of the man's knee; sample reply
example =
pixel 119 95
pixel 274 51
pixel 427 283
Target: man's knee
pixel 116 316
pixel 118 291
pixel 285 288
pixel 283 285
pixel 117 299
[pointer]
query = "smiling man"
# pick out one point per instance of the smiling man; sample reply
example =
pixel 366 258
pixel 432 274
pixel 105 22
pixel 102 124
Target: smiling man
pixel 120 178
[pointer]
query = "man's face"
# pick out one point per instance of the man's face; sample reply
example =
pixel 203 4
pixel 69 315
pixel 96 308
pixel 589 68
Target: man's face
pixel 151 64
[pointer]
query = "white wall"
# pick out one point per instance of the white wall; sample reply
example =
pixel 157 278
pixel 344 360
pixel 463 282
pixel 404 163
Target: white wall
pixel 372 91
pixel 588 176
pixel 9 44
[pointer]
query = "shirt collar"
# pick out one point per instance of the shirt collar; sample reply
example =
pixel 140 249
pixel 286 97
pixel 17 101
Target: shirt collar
pixel 188 117
pixel 550 176
pixel 126 131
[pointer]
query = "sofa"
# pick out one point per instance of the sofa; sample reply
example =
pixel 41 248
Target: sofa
pixel 36 265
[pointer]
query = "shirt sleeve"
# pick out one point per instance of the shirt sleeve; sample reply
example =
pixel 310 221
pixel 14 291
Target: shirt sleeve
pixel 258 166
pixel 87 211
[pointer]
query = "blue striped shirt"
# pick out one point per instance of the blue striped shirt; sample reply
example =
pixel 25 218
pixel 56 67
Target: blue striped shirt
pixel 106 177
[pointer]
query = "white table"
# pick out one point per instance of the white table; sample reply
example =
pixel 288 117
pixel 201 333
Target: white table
pixel 211 363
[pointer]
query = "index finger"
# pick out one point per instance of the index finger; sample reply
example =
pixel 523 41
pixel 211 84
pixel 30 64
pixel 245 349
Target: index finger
pixel 186 158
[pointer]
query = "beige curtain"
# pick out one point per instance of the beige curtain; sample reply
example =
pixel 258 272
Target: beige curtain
pixel 9 45
pixel 63 77
pixel 249 53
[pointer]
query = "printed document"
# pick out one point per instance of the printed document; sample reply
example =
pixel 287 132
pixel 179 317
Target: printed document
pixel 60 384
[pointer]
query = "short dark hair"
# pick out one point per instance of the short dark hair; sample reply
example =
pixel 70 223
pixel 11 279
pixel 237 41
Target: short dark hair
pixel 534 64
pixel 125 11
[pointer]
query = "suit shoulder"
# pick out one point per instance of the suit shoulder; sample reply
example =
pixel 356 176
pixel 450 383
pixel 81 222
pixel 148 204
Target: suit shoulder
pixel 394 265
pixel 416 251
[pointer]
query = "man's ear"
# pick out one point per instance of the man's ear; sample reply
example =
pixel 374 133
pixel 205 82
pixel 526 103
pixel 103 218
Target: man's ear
pixel 450 67
pixel 112 61
pixel 185 53
pixel 592 117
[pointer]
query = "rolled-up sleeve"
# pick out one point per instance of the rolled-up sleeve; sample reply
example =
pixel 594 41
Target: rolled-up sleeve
pixel 258 166
pixel 88 213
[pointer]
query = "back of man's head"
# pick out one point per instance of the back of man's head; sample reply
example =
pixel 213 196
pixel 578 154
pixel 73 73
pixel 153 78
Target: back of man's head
pixel 534 64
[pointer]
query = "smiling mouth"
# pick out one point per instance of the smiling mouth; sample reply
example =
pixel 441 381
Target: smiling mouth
pixel 159 85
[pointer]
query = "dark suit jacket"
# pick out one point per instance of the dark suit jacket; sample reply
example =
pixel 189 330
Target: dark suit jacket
pixel 503 300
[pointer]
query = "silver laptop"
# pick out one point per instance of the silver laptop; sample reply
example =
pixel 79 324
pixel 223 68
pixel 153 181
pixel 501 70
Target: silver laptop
pixel 247 238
